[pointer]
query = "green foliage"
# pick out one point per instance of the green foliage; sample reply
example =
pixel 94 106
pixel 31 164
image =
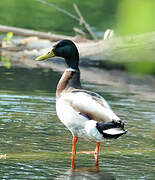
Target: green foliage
pixel 136 16
pixel 141 67
pixel 7 62
pixel 8 37
pixel 41 17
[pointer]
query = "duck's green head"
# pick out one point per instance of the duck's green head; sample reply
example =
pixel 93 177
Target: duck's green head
pixel 65 49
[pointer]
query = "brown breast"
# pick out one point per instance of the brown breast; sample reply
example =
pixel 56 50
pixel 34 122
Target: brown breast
pixel 63 82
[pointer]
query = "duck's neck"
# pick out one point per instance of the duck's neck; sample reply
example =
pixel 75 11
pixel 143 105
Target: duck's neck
pixel 69 79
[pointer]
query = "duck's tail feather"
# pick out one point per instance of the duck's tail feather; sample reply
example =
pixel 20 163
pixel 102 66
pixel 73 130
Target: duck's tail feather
pixel 112 129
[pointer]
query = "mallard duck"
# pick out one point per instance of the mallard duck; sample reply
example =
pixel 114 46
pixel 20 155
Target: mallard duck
pixel 83 112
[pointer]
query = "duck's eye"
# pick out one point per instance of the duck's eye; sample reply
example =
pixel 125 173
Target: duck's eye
pixel 58 45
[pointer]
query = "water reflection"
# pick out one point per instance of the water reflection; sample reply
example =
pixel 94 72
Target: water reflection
pixel 29 80
pixel 92 173
pixel 36 143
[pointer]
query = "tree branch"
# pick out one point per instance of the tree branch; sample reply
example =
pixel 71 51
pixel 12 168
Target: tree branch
pixel 59 9
pixel 83 21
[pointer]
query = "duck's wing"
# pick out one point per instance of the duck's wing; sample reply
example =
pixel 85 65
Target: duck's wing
pixel 91 105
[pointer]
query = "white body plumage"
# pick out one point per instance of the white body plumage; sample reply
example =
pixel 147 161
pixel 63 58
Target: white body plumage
pixel 71 106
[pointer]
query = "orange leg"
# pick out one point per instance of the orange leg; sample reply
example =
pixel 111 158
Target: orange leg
pixel 75 138
pixel 96 153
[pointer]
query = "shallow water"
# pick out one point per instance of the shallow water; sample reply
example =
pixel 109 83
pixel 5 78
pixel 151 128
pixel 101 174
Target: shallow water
pixel 37 145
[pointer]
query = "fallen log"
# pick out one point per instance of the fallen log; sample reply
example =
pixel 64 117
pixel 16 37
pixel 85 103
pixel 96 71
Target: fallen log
pixel 121 49
pixel 28 32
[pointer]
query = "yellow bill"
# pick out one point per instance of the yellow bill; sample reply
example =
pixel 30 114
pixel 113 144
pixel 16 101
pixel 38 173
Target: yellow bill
pixel 50 54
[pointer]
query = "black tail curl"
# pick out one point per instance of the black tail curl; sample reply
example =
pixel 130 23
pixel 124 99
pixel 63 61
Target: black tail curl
pixel 110 125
